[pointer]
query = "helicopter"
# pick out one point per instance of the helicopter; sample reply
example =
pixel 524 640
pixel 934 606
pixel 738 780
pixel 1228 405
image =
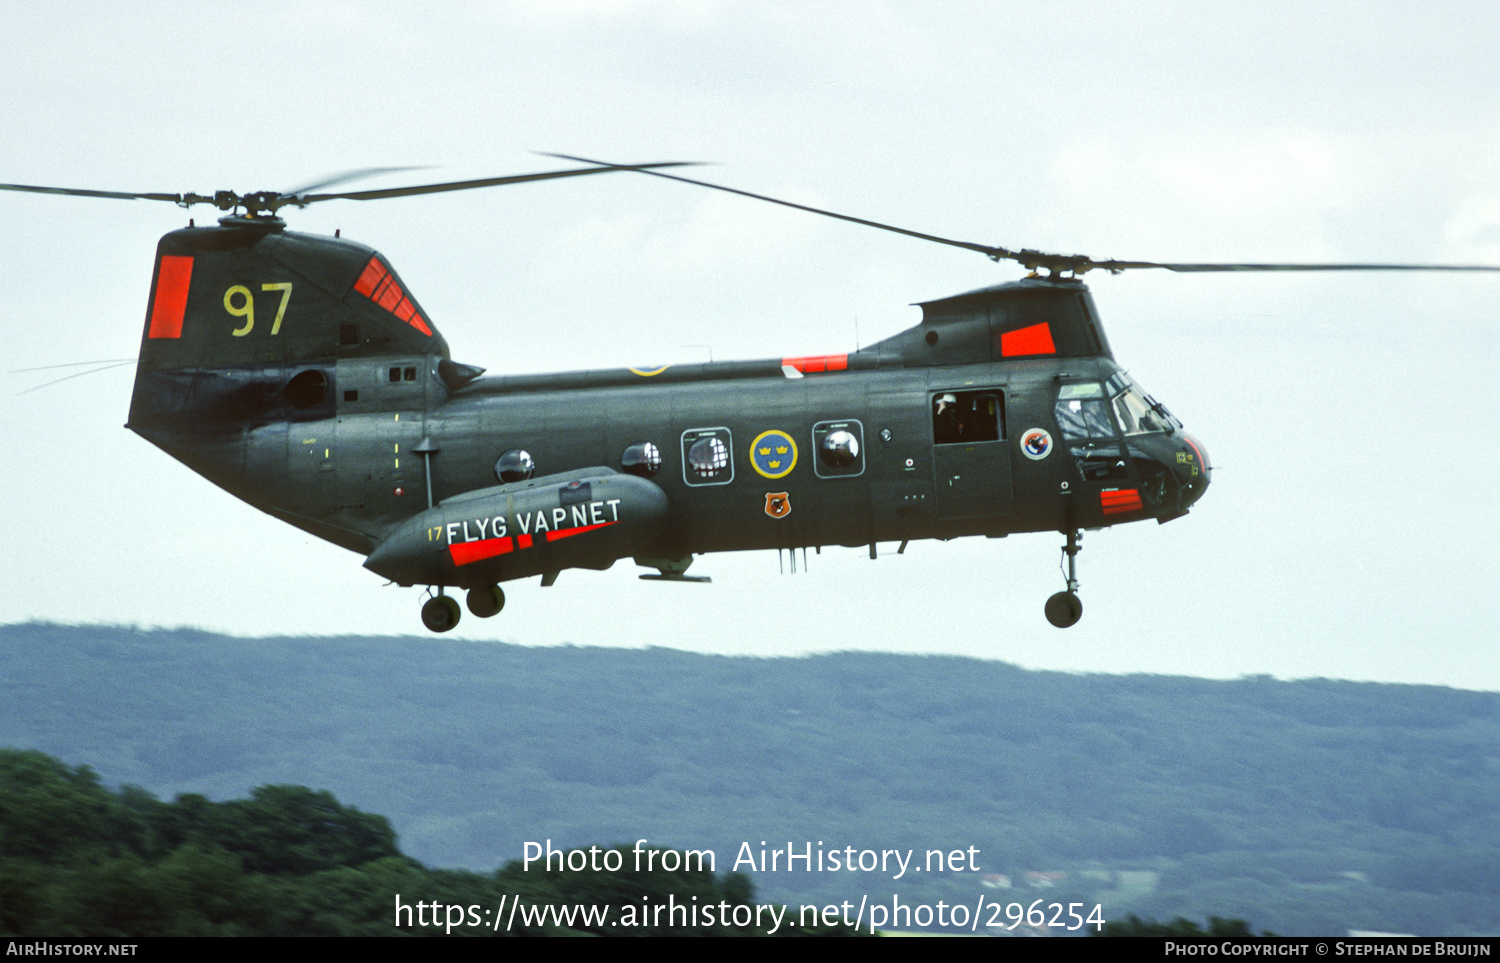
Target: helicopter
pixel 299 373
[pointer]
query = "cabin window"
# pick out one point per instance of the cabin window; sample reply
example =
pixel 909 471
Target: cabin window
pixel 514 465
pixel 960 417
pixel 707 456
pixel 840 447
pixel 642 458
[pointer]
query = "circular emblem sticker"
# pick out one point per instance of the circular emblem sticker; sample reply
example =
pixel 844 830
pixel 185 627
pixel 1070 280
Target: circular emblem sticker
pixel 1036 443
pixel 773 454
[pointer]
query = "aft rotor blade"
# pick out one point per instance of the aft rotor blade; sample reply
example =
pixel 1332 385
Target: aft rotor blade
pixel 994 252
pixel 71 364
pixel 270 201
pixel 486 182
pixel 80 374
pixel 80 192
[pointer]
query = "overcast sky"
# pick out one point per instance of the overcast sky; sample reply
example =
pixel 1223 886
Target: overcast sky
pixel 1351 528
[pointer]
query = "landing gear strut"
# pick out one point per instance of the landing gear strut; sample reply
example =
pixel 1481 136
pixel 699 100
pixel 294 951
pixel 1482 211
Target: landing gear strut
pixel 1064 608
pixel 440 613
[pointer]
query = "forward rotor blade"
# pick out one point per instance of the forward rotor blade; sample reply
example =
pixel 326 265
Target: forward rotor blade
pixel 993 252
pixel 79 192
pixel 486 182
pixel 345 177
pixel 1081 263
pixel 1190 268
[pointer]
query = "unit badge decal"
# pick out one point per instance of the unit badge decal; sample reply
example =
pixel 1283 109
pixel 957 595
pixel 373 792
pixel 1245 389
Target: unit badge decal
pixel 1036 443
pixel 778 504
pixel 773 454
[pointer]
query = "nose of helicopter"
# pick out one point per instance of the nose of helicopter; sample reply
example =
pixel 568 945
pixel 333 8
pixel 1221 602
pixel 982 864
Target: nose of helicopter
pixel 1192 469
pixel 1174 471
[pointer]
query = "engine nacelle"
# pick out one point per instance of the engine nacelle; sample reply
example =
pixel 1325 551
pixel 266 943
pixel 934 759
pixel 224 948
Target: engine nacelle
pixel 581 519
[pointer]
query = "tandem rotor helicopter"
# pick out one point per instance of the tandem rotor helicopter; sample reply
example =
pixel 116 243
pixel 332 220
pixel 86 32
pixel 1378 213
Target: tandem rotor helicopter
pixel 299 373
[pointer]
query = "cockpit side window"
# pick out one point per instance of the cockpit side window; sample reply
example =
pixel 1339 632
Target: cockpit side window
pixel 1082 412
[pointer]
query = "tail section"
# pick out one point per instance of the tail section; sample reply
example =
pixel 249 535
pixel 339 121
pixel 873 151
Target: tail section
pixel 240 314
pixel 279 365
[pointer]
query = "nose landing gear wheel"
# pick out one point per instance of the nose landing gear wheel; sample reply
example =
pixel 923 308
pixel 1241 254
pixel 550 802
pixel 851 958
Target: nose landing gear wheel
pixel 1064 609
pixel 486 601
pixel 440 613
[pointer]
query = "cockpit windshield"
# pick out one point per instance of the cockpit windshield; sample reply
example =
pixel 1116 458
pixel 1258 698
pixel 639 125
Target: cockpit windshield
pixel 1137 411
pixel 1083 410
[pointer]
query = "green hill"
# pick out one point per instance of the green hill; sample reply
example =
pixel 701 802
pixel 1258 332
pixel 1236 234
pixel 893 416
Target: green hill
pixel 1306 807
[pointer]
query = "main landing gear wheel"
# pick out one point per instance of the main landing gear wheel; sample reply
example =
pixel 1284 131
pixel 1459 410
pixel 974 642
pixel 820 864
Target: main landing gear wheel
pixel 440 613
pixel 1064 609
pixel 486 601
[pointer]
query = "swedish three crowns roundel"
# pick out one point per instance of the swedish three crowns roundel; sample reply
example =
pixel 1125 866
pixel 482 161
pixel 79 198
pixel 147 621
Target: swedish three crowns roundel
pixel 773 454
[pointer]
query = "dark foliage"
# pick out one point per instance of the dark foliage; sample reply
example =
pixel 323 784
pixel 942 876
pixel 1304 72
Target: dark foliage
pixel 1135 926
pixel 81 861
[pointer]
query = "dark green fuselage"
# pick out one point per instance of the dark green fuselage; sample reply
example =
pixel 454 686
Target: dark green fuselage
pixel 297 373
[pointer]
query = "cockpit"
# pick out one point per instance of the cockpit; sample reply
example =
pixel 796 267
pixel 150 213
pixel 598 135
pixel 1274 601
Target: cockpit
pixel 1130 445
pixel 1083 410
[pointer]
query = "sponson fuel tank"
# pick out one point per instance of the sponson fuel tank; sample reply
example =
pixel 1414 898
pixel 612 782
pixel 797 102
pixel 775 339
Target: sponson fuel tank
pixel 581 519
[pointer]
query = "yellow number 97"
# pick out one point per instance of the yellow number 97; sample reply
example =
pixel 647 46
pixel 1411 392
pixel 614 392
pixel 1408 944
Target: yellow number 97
pixel 245 310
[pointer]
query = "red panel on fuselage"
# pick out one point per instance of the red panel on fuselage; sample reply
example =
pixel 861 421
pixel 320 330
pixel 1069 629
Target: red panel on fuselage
pixel 1036 339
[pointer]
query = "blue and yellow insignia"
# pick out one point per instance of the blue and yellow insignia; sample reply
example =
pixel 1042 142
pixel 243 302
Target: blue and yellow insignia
pixel 645 372
pixel 773 454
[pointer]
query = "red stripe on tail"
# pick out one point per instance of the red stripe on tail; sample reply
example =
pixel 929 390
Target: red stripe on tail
pixel 174 274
